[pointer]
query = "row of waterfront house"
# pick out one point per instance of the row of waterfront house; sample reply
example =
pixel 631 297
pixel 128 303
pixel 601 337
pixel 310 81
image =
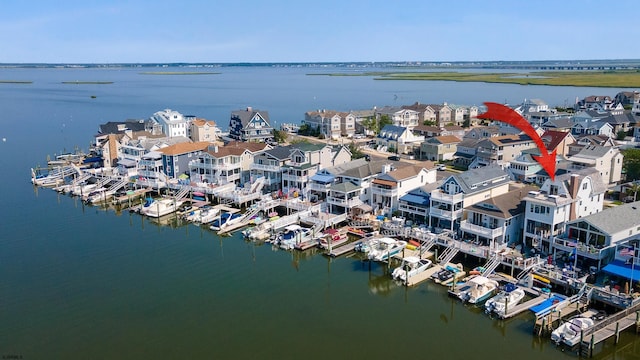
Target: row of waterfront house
pixel 498 197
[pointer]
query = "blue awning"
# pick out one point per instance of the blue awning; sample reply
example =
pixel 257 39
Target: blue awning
pixel 415 199
pixel 621 269
pixel 325 179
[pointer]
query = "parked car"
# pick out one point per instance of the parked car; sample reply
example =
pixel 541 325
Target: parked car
pixel 441 167
pixel 394 158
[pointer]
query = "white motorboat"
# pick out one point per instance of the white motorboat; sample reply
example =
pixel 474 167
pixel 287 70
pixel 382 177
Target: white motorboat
pixel 506 299
pixel 161 207
pixel 292 235
pixel 569 332
pixel 478 289
pixel 411 266
pixel 207 215
pixel 381 249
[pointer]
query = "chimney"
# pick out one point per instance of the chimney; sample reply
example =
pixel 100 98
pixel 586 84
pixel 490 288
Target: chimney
pixel 574 185
pixel 386 168
pixel 249 108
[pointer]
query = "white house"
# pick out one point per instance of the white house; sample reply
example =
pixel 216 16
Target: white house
pixel 567 197
pixel 173 123
pixel 392 184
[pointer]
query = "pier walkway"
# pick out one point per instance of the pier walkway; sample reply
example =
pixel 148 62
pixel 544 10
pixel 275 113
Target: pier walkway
pixel 610 327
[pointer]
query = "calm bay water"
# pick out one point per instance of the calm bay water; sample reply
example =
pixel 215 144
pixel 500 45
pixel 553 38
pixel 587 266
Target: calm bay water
pixel 85 282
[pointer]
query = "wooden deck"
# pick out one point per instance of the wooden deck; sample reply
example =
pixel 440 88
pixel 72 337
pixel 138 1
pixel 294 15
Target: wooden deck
pixel 608 328
pixel 341 250
pixel 522 307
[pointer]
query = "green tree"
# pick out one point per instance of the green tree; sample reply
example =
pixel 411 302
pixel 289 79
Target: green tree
pixel 384 120
pixel 356 151
pixel 631 164
pixel 620 135
pixel 370 124
pixel 429 123
pixel 280 136
pixel 304 130
pixel 634 189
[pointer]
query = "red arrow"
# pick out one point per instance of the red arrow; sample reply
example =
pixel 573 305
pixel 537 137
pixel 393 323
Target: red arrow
pixel 505 114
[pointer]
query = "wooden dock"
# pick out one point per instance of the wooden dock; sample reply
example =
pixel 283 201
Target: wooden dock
pixel 130 198
pixel 609 327
pixel 537 299
pixel 425 275
pixel 341 250
pixel 306 245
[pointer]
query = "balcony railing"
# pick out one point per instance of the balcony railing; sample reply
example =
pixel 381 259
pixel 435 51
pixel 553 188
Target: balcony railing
pixel 441 196
pixel 149 163
pixel 582 249
pixel 413 209
pixel 319 187
pixel 445 214
pixel 480 230
pixel 263 167
pixel 342 202
pixel 302 179
pixel 385 192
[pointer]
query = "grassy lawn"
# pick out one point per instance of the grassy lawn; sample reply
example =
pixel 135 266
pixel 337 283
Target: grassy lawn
pixel 608 78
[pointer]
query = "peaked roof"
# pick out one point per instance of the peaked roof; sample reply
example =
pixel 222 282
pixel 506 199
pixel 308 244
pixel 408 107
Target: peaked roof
pixel 591 152
pixel 248 114
pixel 402 173
pixel 184 148
pixel 506 205
pixel 615 219
pixel 486 177
pixel 445 139
pixel 307 146
pixel 553 138
pixel 369 168
pixel 280 152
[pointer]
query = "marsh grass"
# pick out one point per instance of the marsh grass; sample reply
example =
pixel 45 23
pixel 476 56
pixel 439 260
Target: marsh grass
pixel 609 78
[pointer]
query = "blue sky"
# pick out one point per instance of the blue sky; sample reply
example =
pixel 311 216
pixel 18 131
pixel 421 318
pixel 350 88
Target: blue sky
pixel 92 31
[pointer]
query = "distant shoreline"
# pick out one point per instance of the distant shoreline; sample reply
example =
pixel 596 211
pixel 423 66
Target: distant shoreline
pixel 15 82
pixel 552 65
pixel 594 78
pixel 88 82
pixel 178 73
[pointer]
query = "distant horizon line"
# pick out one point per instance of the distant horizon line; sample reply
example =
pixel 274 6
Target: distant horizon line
pixel 364 62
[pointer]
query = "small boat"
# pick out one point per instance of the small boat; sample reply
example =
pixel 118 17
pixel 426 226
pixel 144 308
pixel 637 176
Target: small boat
pixel 219 222
pixel 448 274
pixel 506 299
pixel 292 235
pixel 381 249
pixel 161 207
pixel 334 238
pixel 569 332
pixel 411 266
pixel 480 288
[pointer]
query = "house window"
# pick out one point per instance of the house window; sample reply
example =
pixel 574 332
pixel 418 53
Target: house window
pixel 584 186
